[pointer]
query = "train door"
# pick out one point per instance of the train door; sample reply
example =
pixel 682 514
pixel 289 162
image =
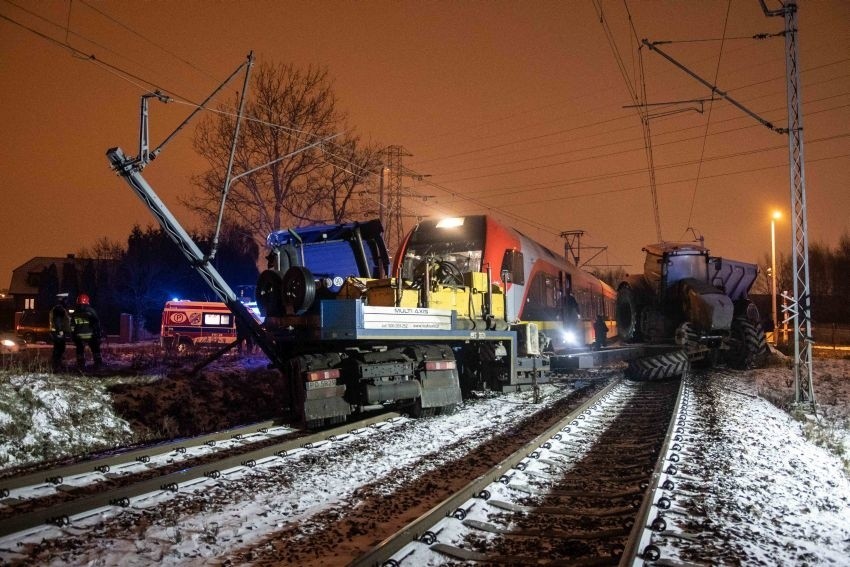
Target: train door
pixel 513 276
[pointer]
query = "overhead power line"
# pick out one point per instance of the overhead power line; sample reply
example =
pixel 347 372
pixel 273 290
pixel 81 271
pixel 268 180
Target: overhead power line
pixel 147 39
pixel 707 120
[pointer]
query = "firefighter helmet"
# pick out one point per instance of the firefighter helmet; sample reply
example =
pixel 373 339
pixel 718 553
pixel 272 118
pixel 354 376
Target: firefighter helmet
pixel 83 299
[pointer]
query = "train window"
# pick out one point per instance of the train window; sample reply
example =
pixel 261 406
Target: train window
pixel 512 262
pixel 543 299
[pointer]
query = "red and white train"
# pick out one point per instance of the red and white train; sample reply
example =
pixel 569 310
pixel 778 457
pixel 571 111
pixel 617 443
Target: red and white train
pixel 540 285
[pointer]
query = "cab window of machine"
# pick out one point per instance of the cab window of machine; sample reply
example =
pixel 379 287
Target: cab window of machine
pixel 466 255
pixel 683 266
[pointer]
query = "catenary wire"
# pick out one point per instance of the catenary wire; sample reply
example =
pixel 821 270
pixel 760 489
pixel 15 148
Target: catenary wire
pixel 708 120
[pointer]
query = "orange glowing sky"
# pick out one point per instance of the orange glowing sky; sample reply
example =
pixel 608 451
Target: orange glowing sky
pixel 513 108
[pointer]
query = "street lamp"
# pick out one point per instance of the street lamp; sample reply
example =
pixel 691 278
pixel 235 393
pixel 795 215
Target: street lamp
pixel 776 216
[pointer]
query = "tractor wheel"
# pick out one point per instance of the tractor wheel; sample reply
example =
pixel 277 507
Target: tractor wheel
pixel 748 348
pixel 658 366
pixel 627 314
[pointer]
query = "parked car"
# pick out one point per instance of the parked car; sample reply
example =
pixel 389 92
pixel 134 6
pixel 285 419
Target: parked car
pixel 34 326
pixel 10 343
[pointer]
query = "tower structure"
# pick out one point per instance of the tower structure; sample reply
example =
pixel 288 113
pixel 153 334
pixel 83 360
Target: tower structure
pixel 391 200
pixel 800 310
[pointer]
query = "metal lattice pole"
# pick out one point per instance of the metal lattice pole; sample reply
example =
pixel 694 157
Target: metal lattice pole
pixel 392 211
pixel 803 390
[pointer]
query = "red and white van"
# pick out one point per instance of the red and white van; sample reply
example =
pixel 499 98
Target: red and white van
pixel 191 323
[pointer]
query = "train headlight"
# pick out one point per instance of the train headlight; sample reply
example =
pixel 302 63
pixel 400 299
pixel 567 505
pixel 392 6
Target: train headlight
pixel 570 337
pixel 450 222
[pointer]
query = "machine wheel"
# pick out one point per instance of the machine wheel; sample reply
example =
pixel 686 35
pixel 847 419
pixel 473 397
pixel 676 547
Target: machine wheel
pixel 627 314
pixel 653 325
pixel 299 289
pixel 417 411
pixel 269 293
pixel 748 345
pixel 658 366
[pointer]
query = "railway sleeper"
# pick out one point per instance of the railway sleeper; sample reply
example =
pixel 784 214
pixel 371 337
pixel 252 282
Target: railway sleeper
pixel 578 477
pixel 476 556
pixel 547 533
pixel 583 493
pixel 577 467
pixel 561 511
pixel 611 455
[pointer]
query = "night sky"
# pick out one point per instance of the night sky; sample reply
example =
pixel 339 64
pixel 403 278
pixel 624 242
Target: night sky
pixel 512 108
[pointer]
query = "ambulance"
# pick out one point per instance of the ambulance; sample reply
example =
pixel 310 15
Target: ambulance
pixel 189 324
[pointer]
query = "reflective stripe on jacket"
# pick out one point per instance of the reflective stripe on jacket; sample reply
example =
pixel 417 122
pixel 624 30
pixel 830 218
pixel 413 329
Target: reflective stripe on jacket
pixel 85 322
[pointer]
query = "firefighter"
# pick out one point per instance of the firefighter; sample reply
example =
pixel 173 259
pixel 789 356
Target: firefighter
pixel 600 330
pixel 86 330
pixel 60 329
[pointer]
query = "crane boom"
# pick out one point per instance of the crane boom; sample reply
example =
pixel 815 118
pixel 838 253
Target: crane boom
pixel 129 169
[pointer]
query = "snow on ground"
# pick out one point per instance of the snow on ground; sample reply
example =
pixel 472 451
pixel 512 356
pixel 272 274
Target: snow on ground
pixel 138 398
pixel 783 496
pixel 765 495
pixel 275 509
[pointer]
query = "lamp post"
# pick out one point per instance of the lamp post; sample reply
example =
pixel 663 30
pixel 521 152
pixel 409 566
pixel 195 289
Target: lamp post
pixel 776 216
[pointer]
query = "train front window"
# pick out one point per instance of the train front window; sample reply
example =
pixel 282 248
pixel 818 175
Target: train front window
pixel 461 245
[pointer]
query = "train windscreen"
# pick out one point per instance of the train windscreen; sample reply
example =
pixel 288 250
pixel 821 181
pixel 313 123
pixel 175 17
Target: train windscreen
pixel 461 244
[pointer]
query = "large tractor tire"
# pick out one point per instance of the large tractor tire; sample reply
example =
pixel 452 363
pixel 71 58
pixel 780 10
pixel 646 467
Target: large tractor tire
pixel 748 345
pixel 628 314
pixel 658 366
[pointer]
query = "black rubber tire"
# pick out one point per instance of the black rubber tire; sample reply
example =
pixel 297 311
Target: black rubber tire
pixel 627 314
pixel 299 289
pixel 748 348
pixel 269 293
pixel 658 366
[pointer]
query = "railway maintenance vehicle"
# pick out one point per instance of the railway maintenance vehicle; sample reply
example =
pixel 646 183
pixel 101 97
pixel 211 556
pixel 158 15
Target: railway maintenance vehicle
pixel 459 313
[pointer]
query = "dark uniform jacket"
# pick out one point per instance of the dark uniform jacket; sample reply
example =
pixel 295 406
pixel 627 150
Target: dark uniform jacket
pixel 60 322
pixel 86 323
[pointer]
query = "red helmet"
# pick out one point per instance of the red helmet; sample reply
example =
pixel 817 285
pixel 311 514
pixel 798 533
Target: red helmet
pixel 83 299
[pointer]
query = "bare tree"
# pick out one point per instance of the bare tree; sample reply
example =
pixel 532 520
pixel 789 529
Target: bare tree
pixel 102 249
pixel 287 109
pixel 349 181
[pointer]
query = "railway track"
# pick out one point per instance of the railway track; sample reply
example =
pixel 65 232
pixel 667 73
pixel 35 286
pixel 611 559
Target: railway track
pixel 580 493
pixel 323 504
pixel 56 496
